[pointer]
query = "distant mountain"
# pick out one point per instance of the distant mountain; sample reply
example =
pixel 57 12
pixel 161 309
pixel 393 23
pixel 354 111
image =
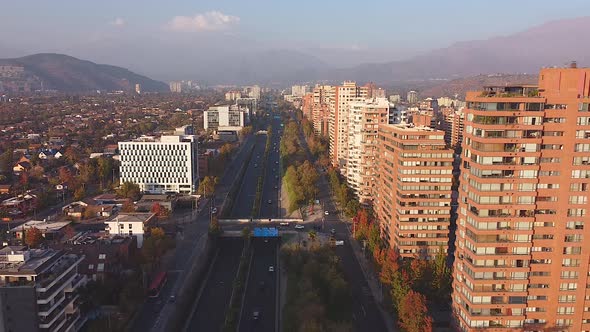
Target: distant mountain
pixel 68 74
pixel 460 86
pixel 552 44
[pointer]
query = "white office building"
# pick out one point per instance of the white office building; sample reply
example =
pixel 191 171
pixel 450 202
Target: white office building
pixel 160 166
pixel 225 116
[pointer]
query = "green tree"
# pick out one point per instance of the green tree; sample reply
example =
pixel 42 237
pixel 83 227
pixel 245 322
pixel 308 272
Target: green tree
pixel 105 168
pixel 129 190
pixel 6 160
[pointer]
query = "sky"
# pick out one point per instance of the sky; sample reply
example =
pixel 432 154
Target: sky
pixel 342 33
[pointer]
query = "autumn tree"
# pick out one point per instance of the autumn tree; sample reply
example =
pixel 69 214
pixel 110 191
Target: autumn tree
pixel 413 313
pixel 65 175
pixel 160 210
pixel 33 237
pixel 128 206
pixel 207 185
pixel 79 194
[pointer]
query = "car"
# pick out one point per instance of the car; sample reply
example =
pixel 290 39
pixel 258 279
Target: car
pixel 276 162
pixel 255 165
pixel 256 314
pixel 276 187
pixel 271 268
pixel 333 231
pixel 326 212
pixel 261 285
pixel 172 299
pixel 269 201
pixel 284 223
pixel 339 242
pixel 299 227
pixel 214 210
pixel 276 176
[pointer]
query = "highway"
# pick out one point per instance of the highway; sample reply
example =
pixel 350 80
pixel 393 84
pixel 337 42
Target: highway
pixel 261 286
pixel 212 305
pixel 155 312
pixel 210 311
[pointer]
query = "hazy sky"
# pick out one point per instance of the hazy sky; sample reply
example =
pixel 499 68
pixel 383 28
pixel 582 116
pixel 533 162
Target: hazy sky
pixel 341 32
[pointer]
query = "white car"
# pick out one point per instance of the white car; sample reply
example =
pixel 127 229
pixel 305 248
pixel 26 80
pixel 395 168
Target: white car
pixel 339 243
pixel 299 227
pixel 326 212
pixel 284 223
pixel 271 268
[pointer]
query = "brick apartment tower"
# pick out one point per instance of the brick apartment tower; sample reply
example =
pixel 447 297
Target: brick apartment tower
pixel 413 190
pixel 520 261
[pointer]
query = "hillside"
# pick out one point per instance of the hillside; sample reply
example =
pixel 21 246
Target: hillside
pixel 552 44
pixel 461 85
pixel 68 74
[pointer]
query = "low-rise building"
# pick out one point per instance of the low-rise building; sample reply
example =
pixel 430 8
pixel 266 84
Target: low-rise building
pixel 130 224
pixel 51 230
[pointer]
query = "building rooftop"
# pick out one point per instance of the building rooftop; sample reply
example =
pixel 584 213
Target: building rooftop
pixel 18 260
pixel 143 217
pixel 42 225
pixel 411 127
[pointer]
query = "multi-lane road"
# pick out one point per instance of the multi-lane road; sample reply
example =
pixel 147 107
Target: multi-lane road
pixel 262 285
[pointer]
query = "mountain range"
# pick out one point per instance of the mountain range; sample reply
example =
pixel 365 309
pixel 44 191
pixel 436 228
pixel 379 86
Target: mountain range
pixel 68 74
pixel 551 44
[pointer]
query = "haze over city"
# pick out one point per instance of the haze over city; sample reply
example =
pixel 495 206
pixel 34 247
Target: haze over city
pixel 201 39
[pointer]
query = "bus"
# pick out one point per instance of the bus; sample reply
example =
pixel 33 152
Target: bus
pixel 157 283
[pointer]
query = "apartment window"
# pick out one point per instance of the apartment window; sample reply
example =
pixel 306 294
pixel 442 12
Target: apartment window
pixel 568 286
pixel 567 299
pixel 570 262
pixel 102 256
pixel 564 322
pixel 569 274
pixel 583 107
pixel 583 121
pixel 565 310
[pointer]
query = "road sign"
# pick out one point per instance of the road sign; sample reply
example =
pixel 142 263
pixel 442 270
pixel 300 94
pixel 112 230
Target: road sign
pixel 266 232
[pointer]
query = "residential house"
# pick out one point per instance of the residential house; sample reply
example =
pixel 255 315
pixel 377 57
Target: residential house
pixel 131 224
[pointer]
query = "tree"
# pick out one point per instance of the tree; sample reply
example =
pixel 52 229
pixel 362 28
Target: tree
pixel 79 194
pixel 128 207
pixel 105 167
pixel 129 190
pixel 6 161
pixel 157 233
pixel 207 185
pixel 413 313
pixel 65 175
pixel 33 237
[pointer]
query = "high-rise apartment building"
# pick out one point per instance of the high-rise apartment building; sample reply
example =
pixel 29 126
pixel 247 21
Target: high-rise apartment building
pixel 138 88
pixel 412 97
pixel 412 193
pixel 396 99
pixel 520 260
pixel 233 95
pixel 453 126
pixel 176 87
pixel 39 290
pixel 160 166
pixel 299 90
pixel 363 123
pixel 339 100
pixel 397 114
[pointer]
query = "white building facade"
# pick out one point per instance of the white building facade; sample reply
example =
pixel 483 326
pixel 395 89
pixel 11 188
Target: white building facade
pixel 363 124
pixel 158 167
pixel 224 116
